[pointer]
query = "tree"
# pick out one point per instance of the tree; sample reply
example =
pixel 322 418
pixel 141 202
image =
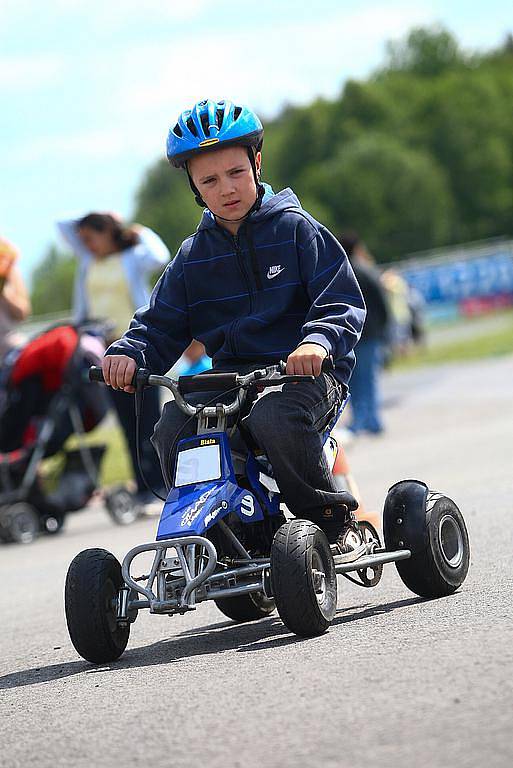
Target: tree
pixel 166 204
pixel 397 198
pixel 471 135
pixel 425 52
pixel 52 283
pixel 418 155
pixel 300 136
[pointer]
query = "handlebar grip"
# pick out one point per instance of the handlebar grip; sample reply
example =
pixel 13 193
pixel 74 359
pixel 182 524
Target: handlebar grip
pixel 140 376
pixel 207 382
pixel 96 374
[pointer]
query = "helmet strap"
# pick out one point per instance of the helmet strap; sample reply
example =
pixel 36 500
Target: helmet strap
pixel 194 188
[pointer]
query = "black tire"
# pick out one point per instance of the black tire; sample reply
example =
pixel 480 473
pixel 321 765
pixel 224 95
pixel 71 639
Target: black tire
pixel 246 607
pixel 19 523
pixel 92 584
pixel 299 554
pixel 441 566
pixel 122 506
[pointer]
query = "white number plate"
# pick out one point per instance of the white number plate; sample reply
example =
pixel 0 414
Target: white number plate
pixel 197 465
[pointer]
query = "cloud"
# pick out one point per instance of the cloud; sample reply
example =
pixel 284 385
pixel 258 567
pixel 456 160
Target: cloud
pixel 158 9
pixel 268 65
pixel 142 88
pixel 29 72
pixel 107 13
pixel 94 145
pixel 250 65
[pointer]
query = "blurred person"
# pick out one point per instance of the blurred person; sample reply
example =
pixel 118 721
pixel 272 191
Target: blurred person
pixel 194 360
pixel 398 295
pixel 115 263
pixel 365 399
pixel 14 298
pixel 260 280
pixel 417 306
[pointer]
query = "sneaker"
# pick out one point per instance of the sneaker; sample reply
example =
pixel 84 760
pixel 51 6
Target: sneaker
pixel 350 544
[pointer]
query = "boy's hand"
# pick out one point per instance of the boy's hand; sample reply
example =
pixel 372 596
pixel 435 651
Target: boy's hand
pixel 118 372
pixel 306 359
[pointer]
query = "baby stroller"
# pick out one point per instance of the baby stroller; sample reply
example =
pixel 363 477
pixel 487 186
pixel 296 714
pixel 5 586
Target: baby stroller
pixel 45 397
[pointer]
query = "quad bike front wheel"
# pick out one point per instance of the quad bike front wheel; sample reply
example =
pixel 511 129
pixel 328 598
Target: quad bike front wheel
pixel 92 586
pixel 433 528
pixel 303 577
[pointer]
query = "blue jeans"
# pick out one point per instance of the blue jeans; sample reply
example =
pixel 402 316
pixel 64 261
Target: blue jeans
pixel 364 388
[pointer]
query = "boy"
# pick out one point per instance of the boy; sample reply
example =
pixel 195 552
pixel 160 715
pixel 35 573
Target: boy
pixel 259 281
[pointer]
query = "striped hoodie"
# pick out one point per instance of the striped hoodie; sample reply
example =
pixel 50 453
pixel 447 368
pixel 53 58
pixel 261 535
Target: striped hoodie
pixel 282 281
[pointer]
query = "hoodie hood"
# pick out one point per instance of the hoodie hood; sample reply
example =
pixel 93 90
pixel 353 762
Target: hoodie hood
pixel 272 203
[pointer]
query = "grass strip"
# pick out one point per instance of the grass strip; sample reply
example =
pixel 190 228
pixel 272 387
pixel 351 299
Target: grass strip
pixel 485 343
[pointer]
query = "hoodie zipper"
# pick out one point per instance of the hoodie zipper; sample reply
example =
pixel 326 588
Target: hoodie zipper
pixel 242 266
pixel 240 263
pixel 253 257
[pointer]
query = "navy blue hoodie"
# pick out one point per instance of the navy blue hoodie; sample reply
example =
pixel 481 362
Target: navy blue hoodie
pixel 283 280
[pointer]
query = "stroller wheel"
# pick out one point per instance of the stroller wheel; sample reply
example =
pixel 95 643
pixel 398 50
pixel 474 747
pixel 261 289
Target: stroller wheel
pixel 19 523
pixel 53 524
pixel 122 506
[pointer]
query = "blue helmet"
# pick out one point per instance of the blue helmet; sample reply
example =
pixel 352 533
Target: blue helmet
pixel 209 125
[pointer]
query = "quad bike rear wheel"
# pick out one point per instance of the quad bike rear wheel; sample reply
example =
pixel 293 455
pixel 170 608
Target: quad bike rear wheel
pixel 246 607
pixel 433 528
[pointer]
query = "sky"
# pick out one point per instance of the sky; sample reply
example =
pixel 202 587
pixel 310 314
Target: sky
pixel 89 88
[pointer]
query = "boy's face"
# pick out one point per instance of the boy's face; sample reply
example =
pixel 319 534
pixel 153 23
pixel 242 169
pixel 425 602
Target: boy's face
pixel 225 181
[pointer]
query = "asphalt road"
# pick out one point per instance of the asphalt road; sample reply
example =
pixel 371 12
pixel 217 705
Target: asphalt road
pixel 397 681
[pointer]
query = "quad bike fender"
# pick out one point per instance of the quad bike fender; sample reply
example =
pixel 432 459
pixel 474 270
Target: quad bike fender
pixel 404 516
pixel 193 510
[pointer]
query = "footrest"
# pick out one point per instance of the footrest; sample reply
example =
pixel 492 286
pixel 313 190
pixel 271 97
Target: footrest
pixel 367 561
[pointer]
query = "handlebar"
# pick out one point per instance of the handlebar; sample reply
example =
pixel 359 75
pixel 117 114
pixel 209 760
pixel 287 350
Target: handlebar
pixel 212 382
pixel 272 376
pixel 207 382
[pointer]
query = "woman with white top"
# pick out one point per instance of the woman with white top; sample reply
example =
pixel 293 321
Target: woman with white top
pixel 115 262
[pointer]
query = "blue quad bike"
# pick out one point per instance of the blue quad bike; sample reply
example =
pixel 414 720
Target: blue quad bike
pixel 223 537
